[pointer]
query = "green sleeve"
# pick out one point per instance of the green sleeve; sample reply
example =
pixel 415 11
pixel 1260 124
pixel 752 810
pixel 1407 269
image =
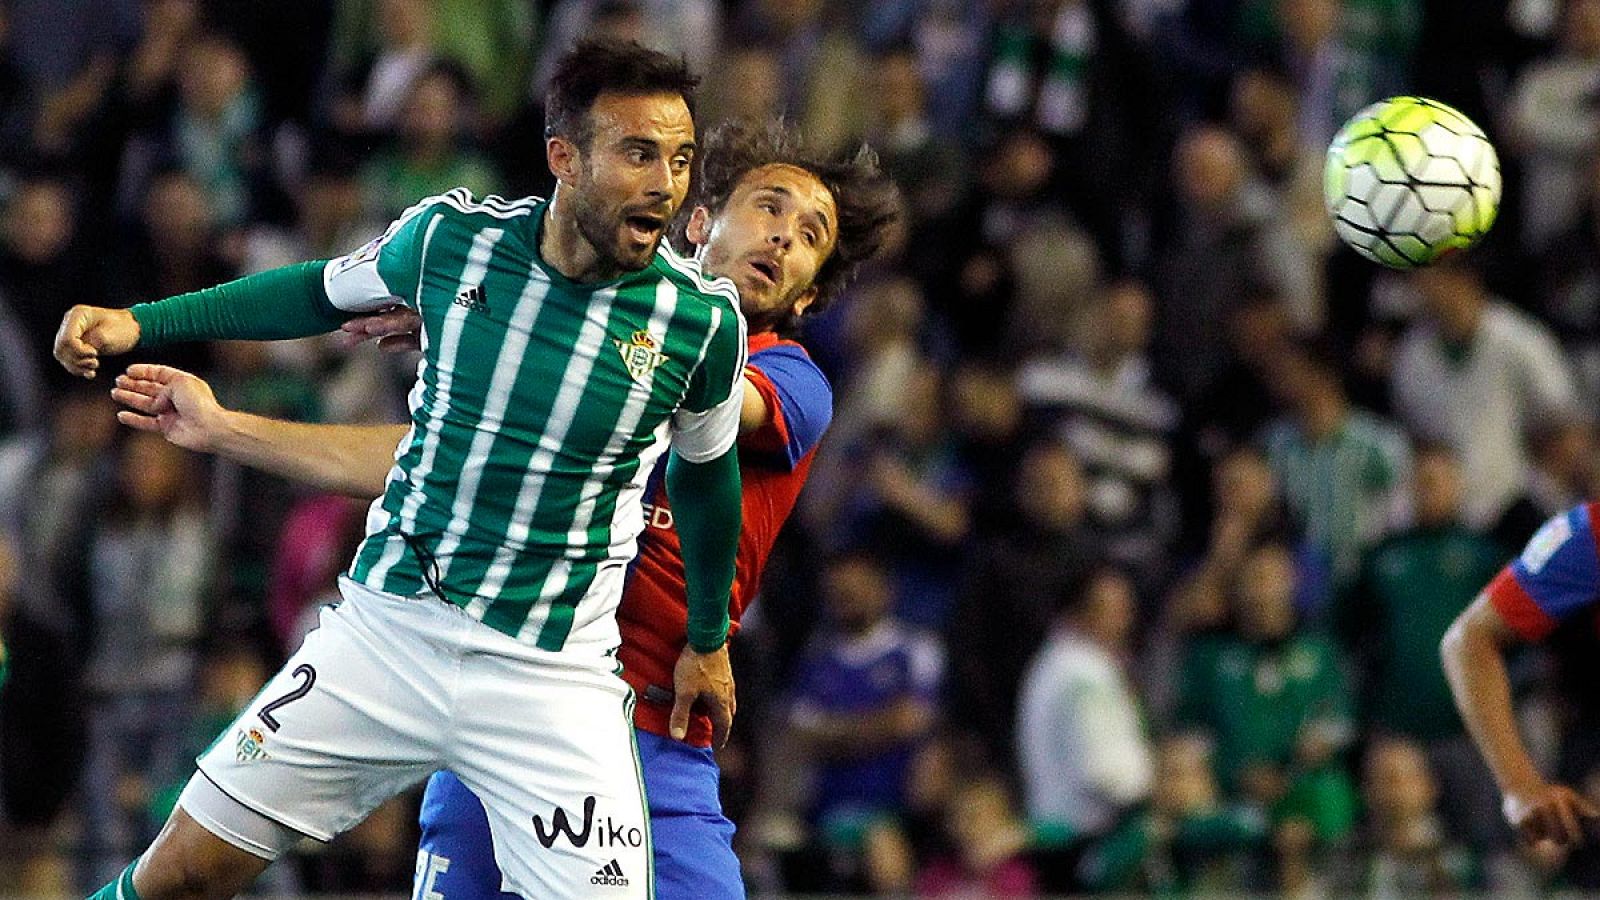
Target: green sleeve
pixel 706 508
pixel 274 305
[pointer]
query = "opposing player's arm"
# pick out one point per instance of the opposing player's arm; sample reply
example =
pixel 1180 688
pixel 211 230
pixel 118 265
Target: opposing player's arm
pixel 1555 577
pixel 345 459
pixel 788 405
pixel 756 412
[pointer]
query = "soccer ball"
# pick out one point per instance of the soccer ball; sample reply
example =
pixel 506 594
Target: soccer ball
pixel 1410 180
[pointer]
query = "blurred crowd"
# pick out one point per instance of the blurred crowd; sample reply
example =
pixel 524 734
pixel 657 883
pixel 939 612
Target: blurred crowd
pixel 1124 565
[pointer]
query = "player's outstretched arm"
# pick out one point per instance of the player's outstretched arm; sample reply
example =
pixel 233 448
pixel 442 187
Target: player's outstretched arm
pixel 288 302
pixel 345 459
pixel 1473 652
pixel 89 332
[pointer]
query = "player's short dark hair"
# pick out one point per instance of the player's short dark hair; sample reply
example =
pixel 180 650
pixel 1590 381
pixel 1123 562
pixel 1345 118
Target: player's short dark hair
pixel 867 200
pixel 595 67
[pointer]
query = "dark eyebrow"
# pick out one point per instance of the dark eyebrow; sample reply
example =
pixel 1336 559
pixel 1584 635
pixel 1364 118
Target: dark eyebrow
pixel 649 144
pixel 782 191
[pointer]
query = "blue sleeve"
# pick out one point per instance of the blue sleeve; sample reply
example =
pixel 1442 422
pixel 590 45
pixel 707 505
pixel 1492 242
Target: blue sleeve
pixel 1559 570
pixel 804 406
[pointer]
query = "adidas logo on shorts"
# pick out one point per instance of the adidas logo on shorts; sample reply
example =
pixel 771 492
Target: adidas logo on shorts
pixel 610 875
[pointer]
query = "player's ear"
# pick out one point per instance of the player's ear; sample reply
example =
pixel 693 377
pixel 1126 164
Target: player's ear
pixel 564 158
pixel 806 298
pixel 698 231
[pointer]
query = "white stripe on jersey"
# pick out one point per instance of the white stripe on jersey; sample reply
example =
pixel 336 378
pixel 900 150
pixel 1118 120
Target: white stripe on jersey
pixel 472 275
pixel 507 366
pixel 703 436
pixel 493 205
pixel 627 519
pixel 639 392
pixel 627 422
pixel 586 349
pixel 720 284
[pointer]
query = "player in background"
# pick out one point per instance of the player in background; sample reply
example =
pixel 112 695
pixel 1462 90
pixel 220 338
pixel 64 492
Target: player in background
pixel 1556 577
pixel 564 350
pixel 789 229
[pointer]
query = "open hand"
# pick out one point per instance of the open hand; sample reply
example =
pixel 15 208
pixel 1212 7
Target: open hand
pixel 397 330
pixel 172 403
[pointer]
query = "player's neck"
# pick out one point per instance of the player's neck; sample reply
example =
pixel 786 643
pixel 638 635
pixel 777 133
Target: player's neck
pixel 563 247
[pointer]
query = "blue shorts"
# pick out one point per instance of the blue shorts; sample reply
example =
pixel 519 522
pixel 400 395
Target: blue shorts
pixel 692 839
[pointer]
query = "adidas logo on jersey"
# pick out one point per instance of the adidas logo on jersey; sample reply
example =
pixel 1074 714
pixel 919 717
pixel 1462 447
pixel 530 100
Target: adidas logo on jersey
pixel 473 299
pixel 609 875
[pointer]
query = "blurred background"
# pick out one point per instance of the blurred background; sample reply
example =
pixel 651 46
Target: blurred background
pixel 1124 564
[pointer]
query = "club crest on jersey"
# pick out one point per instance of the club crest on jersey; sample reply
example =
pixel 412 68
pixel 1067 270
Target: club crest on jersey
pixel 642 354
pixel 250 745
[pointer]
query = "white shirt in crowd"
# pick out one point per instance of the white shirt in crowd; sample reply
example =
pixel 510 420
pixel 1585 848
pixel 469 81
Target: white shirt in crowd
pixel 1484 402
pixel 1081 738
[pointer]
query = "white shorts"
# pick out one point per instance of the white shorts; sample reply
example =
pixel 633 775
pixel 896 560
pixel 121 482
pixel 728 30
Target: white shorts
pixel 387 690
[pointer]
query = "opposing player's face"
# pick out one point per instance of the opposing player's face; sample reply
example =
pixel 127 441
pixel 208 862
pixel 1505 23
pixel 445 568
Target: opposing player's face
pixel 771 239
pixel 633 175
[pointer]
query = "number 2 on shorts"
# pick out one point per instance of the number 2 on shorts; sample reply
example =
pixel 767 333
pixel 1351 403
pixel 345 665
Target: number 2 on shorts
pixel 300 691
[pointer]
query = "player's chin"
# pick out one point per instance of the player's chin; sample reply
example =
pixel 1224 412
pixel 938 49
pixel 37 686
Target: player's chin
pixel 633 252
pixel 755 294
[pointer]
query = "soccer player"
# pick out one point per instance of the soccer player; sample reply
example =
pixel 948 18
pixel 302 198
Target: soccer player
pixel 563 351
pixel 789 230
pixel 1556 577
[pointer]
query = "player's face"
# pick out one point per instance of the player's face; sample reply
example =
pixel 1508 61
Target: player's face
pixel 633 176
pixel 771 239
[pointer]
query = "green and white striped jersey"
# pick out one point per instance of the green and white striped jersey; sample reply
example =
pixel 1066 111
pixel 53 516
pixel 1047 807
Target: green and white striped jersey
pixel 539 409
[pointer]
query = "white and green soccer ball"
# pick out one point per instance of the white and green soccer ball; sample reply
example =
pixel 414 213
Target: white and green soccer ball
pixel 1409 181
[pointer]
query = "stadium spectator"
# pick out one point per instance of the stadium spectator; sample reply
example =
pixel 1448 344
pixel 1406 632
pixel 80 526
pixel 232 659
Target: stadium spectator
pixel 1229 249
pixel 430 156
pixel 1014 582
pixel 1272 696
pixel 1342 469
pixel 1082 750
pixel 149 561
pixel 1190 839
pixel 1556 125
pixel 988 845
pixel 986 417
pixel 1265 111
pixel 491 39
pixel 1567 285
pixel 1477 373
pixel 1564 469
pixel 1411 586
pixel 1408 850
pixel 1120 424
pixel 43 268
pixel 214 132
pixel 34 773
pixel 374 89
pixel 863 705
pixel 910 500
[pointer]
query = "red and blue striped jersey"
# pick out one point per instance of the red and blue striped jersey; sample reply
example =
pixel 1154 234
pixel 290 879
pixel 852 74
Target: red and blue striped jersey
pixel 773 461
pixel 1556 577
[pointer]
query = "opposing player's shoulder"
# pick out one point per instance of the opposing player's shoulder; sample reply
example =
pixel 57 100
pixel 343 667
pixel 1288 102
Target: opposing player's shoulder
pixel 689 278
pixel 1566 538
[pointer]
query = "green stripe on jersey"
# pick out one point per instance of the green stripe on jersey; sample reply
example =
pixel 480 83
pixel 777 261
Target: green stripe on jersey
pixel 539 405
